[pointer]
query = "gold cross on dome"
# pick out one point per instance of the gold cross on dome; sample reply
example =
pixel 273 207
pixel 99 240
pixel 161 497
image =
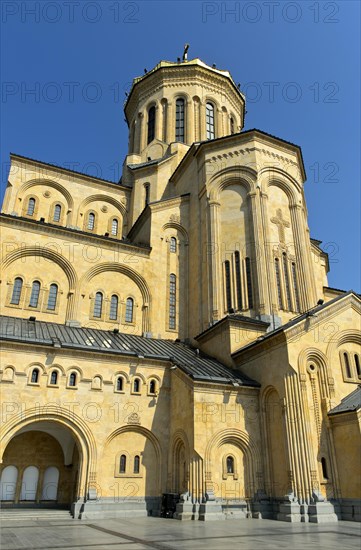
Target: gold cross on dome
pixel 281 224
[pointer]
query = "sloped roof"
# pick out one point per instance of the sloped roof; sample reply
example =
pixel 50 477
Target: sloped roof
pixel 351 402
pixel 194 363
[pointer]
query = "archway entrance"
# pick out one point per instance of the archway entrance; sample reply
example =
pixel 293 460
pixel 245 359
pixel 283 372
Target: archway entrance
pixel 40 467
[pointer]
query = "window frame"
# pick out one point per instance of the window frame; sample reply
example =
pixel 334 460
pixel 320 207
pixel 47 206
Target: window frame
pixel 20 292
pixel 210 121
pixel 129 320
pixel 180 120
pixel 34 292
pixel 151 121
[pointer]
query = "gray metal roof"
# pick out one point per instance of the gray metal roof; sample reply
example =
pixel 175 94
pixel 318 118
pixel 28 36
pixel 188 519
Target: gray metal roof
pixel 351 402
pixel 194 363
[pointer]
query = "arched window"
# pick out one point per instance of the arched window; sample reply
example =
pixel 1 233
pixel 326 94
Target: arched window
pixel 113 314
pixel 31 207
pixel 136 385
pixel 357 364
pixel 57 213
pixel 227 270
pixel 136 464
pixel 231 124
pixel 34 297
pixel 151 124
pixel 146 194
pixel 152 386
pixel 210 121
pixel 324 468
pixel 115 226
pixel 278 282
pixel 35 376
pixel 173 244
pixel 54 378
pixel 237 263
pixel 287 281
pixel 53 295
pixel 347 365
pixel 230 465
pixel 91 221
pixel 122 464
pixel 119 383
pixel 17 288
pixel 129 307
pixel 172 300
pixel 72 379
pixel 98 305
pixel 295 286
pixel 179 120
pixel 249 283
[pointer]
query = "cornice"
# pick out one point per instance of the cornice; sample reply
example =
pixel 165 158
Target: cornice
pixel 169 203
pixel 65 171
pixel 72 234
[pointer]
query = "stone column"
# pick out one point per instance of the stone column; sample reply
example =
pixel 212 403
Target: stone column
pixel 219 124
pixel 189 122
pixel 170 132
pixel 214 260
pixel 158 122
pixel 202 121
pixel 305 273
pixel 141 132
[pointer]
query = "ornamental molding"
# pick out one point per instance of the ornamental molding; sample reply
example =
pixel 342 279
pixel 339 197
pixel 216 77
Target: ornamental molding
pixel 236 153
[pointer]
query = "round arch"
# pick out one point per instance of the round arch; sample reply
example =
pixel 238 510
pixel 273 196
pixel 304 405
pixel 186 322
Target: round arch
pixel 231 176
pixel 68 420
pixel 48 183
pixel 103 198
pixel 47 254
pixel 279 178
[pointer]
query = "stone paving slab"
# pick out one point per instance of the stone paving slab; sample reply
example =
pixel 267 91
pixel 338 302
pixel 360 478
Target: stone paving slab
pixel 167 534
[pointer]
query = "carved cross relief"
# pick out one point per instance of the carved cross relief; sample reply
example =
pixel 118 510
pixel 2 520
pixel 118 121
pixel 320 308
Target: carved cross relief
pixel 281 224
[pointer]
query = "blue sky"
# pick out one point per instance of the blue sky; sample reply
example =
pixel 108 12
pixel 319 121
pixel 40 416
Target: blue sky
pixel 67 65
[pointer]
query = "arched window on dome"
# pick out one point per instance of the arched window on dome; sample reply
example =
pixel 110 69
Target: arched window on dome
pixel 98 305
pixel 115 225
pixel 16 294
pixel 210 121
pixel 57 213
pixel 231 124
pixel 151 124
pixel 179 120
pixel 114 302
pixel 31 207
pixel 35 292
pixel 52 297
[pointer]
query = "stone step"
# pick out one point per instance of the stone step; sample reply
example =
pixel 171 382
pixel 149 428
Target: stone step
pixel 16 514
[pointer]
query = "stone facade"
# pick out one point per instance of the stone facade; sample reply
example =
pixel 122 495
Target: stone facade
pixel 204 243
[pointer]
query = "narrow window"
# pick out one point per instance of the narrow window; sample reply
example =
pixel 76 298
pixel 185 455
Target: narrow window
pixel 295 287
pixel 129 307
pixel 324 468
pixel 172 301
pixel 357 364
pixel 31 207
pixel 237 262
pixel 179 120
pixel 287 282
pixel 136 386
pixel 98 305
pixel 91 221
pixel 151 124
pixel 231 123
pixel 278 282
pixel 72 379
pixel 136 464
pixel 57 213
pixel 53 295
pixel 210 121
pixel 152 386
pixel 113 314
pixel 173 244
pixel 249 283
pixel 18 286
pixel 54 378
pixel 146 194
pixel 347 365
pixel 230 465
pixel 34 297
pixel 119 383
pixel 227 270
pixel 115 227
pixel 123 464
pixel 35 376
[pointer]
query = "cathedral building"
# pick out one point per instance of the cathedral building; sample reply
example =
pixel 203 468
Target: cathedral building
pixel 174 333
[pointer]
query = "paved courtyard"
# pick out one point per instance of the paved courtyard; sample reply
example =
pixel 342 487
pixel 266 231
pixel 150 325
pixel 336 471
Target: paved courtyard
pixel 165 534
